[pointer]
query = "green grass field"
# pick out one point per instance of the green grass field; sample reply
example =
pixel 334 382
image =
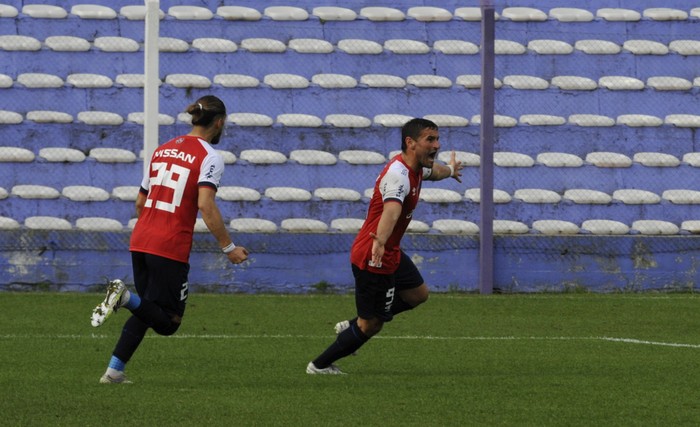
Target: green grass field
pixel 457 360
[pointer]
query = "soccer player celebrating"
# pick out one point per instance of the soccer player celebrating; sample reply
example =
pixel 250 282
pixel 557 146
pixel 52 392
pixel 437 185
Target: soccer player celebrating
pixel 386 280
pixel 182 179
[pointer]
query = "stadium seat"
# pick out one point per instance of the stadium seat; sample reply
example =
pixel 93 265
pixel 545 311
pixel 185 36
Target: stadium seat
pixel 669 83
pixel 429 14
pixel 447 120
pixel 574 83
pixel 559 160
pixel 691 226
pixel 536 195
pixel 467 159
pixel 185 80
pixel 380 13
pixel 347 225
pixel 263 157
pixel 132 80
pixel 98 224
pixel 286 13
pixel 61 154
pixel 312 157
pixel 502 226
pixel 665 14
pixel 126 193
pixel 525 82
pixel 473 81
pixel 112 155
pixel 252 225
pixel 645 47
pixel 236 80
pixel 639 120
pixel 116 44
pixel 303 225
pixel 591 120
pixel 550 47
pixel 334 193
pixel 139 118
pixel 44 11
pixel 455 47
pixel 214 45
pixel 470 13
pixel 310 46
pixel 10 117
pixel 8 11
pixel 598 47
pixel 93 11
pixel 439 195
pixel 508 47
pixel 692 159
pixel 67 44
pixel 299 120
pixel 406 47
pixel 382 80
pixel 620 83
pixel 553 226
pixel 656 159
pixel 570 14
pixel 635 197
pixel 85 193
pixel 137 12
pixel 588 197
pixel 263 45
pixel 47 223
pixel 100 118
pixel 39 80
pixel 287 194
pixel 361 157
pixel 238 194
pixel 604 226
pixel 682 197
pixel 16 154
pixel 5 81
pixel 416 226
pixel 334 81
pixel 229 157
pixel 455 226
pixel 347 121
pixel 428 81
pixel 9 224
pixel 524 14
pixel 360 47
pixel 334 13
pixel 605 159
pixel 238 13
pixel 89 81
pixel 200 226
pixel 193 13
pixel 618 14
pixel 499 196
pixel 512 160
pixel 499 121
pixel 172 44
pixel 250 119
pixel 655 227
pixel 31 191
pixel 542 120
pixel 41 116
pixel 286 81
pixel 685 47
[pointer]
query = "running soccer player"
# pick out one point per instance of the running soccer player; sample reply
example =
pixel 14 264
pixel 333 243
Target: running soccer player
pixel 182 179
pixel 386 280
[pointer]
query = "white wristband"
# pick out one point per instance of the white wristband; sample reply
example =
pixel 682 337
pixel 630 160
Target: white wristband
pixel 228 249
pixel 452 170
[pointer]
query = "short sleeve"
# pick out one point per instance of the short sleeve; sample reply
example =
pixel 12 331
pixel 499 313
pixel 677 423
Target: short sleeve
pixel 395 184
pixel 427 172
pixel 212 170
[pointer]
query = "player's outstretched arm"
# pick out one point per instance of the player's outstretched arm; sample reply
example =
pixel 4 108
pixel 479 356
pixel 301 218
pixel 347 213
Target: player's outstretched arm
pixel 453 169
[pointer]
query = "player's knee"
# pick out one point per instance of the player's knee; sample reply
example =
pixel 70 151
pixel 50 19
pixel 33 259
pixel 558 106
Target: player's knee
pixel 170 328
pixel 370 327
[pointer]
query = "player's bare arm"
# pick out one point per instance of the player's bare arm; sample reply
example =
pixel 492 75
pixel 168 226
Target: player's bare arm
pixel 212 218
pixel 453 169
pixel 387 222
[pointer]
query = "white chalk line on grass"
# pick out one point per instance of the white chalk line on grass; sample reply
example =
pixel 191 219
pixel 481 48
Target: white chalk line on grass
pixel 383 337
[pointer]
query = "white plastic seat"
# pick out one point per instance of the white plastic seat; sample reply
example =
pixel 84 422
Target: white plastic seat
pixel 692 159
pixel 85 193
pixel 509 159
pixel 685 47
pixel 416 226
pixel 473 81
pixel 100 118
pixel 312 157
pixel 499 121
pixel 382 80
pixel 132 80
pixel 229 157
pixel 112 155
pixel 591 120
pixel 692 226
pixel 620 83
pixel 639 120
pixel 116 44
pixel 236 80
pixel 656 159
pixel 310 46
pixel 537 195
pixel 286 13
pixel 250 119
pixel 5 81
pixel 16 154
pixel 39 80
pixel 428 81
pixel 665 14
pixel 524 14
pixel 542 120
pixel 655 227
pixel 455 226
pixel 44 11
pixel 471 13
pixel 440 195
pixel 93 11
pixel 467 159
pixel 669 83
pixel 334 81
pixel 171 44
pixel 502 226
pixel 429 14
pixel 7 11
pixel 605 227
pixel 550 47
pixel 570 14
pixel 214 45
pixel 406 47
pixel 67 44
pixel 347 225
pixel 559 160
pixel 618 14
pixel 360 47
pixel 4 194
pixel 299 120
pixel 47 223
pixel 188 81
pixel 499 196
pixel 683 120
pixel 9 223
pixel 455 47
pixel 31 191
pixel 10 118
pixel 62 154
pixel 379 13
pixel 263 45
pixel 126 192
pixel 682 197
pixel 193 13
pixel 636 197
pixel 238 13
pixel 525 82
pixel 587 197
pixel 508 47
pixel 98 224
pixel 347 121
pixel 40 116
pixel 139 117
pixel 238 194
pixel 597 47
pixel 553 226
pixel 287 194
pixel 645 47
pixel 574 83
pixel 334 193
pixel 200 226
pixel 447 120
pixel 86 80
pixel 361 157
pixel 137 12
pixel 334 13
pixel 391 120
pixel 252 225
pixel 263 157
pixel 606 159
pixel 286 81
pixel 303 225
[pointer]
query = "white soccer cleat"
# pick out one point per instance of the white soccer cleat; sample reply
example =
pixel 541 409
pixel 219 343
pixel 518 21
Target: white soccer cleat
pixel 340 327
pixel 115 290
pixel 114 379
pixel 330 370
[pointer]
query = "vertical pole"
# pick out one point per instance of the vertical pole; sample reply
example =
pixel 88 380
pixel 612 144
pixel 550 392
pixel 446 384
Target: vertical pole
pixel 486 263
pixel 150 91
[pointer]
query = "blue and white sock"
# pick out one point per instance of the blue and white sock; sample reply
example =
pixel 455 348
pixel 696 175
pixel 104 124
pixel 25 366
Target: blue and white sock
pixel 115 366
pixel 130 300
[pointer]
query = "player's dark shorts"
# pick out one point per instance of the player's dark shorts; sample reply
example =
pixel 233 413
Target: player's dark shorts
pixel 162 281
pixel 374 293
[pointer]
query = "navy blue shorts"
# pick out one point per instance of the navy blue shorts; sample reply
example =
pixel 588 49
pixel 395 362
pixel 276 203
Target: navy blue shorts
pixel 162 281
pixel 374 293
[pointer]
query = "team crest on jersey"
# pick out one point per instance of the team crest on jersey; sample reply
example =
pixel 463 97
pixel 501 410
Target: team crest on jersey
pixel 179 140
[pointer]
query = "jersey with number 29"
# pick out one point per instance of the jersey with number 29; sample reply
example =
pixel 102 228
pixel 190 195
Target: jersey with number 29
pixel 177 169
